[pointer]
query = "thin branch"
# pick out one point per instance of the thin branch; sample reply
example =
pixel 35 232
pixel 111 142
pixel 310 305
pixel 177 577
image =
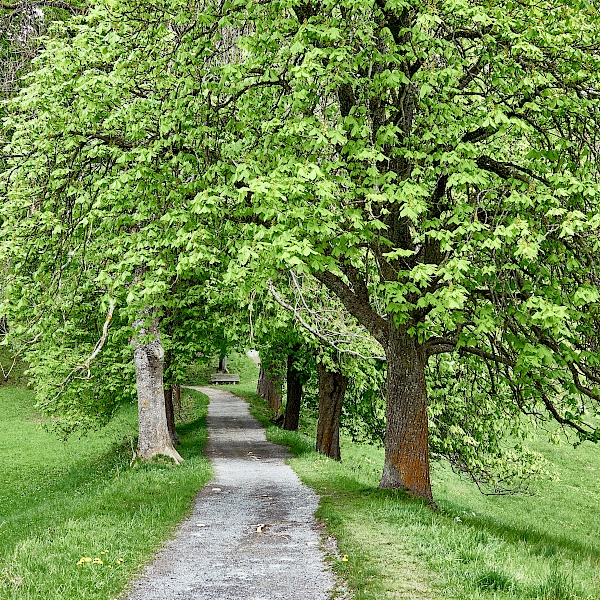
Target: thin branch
pixel 6 374
pixel 101 341
pixel 359 309
pixel 312 330
pixel 86 365
pixel 507 170
pixel 488 356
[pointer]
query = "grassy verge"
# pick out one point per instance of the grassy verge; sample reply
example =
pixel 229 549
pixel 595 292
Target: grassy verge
pixel 542 546
pixel 61 502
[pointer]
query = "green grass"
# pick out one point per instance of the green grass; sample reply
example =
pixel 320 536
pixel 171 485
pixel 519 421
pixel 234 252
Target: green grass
pixel 62 501
pixel 543 546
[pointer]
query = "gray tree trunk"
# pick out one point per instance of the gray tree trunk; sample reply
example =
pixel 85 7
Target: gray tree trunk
pixel 153 432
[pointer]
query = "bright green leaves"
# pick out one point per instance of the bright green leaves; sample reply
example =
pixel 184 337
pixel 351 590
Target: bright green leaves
pixel 546 314
pixel 116 132
pixel 586 294
pixel 471 419
pixel 440 161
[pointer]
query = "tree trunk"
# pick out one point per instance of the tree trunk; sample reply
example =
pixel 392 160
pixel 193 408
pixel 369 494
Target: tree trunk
pixel 332 389
pixel 269 388
pixel 406 438
pixel 4 328
pixel 171 415
pixel 177 399
pixel 222 365
pixel 261 388
pixel 153 431
pixel 294 396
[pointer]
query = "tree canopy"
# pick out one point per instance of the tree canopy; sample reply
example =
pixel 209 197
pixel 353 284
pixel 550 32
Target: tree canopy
pixel 439 169
pixel 433 166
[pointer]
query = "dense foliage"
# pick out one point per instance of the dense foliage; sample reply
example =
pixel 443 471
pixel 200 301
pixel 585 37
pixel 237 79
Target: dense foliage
pixel 439 165
pixel 432 166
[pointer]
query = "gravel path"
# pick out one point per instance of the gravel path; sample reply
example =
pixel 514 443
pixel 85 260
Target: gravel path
pixel 252 534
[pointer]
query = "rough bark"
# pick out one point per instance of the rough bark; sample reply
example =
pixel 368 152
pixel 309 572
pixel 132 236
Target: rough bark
pixel 4 328
pixel 222 365
pixel 153 431
pixel 332 389
pixel 261 387
pixel 294 396
pixel 406 439
pixel 270 389
pixel 170 410
pixel 177 399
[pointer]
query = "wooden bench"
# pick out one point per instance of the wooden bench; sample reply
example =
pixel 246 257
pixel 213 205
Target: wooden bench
pixel 222 378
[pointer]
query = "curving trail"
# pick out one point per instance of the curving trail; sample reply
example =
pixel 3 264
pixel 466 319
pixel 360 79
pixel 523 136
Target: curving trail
pixel 252 534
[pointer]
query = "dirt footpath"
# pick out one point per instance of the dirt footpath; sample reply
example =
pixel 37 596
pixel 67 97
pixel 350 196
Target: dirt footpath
pixel 252 534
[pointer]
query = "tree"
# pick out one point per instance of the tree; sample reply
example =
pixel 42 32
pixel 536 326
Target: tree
pixel 104 214
pixel 332 389
pixel 438 165
pixel 22 24
pixel 269 387
pixel 337 346
pixel 154 435
pixel 283 359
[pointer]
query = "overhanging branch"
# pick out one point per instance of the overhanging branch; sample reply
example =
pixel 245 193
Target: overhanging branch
pixel 361 310
pixel 312 330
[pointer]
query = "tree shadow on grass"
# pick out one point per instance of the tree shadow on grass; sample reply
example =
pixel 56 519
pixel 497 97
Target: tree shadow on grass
pixel 539 542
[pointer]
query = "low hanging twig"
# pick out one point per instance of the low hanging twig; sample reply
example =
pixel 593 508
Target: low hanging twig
pixel 100 344
pixel 6 374
pixel 87 364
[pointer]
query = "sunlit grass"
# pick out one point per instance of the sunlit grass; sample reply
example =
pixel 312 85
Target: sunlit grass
pixel 61 502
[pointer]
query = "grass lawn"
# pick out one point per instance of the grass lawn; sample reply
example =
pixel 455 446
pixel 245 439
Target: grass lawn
pixel 61 502
pixel 543 546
